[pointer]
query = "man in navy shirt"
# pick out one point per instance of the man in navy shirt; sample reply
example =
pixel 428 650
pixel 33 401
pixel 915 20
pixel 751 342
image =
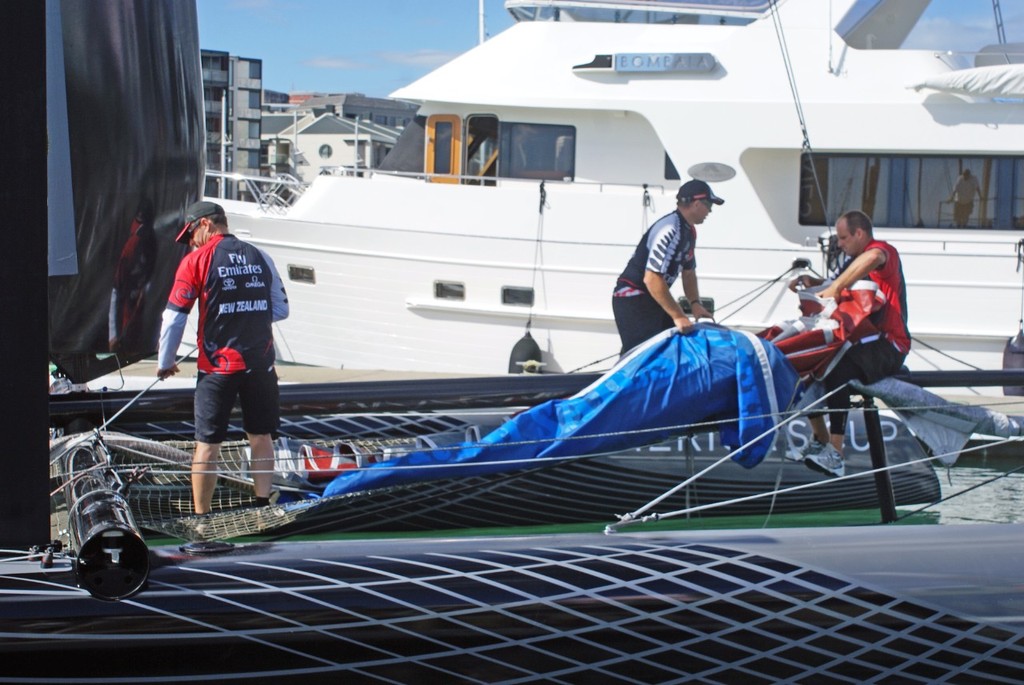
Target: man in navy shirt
pixel 641 302
pixel 240 295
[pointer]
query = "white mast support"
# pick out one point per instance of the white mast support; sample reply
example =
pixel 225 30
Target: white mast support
pixel 480 21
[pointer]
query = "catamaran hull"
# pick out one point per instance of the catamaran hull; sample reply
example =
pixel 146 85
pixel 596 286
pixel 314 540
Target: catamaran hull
pixel 873 604
pixel 598 489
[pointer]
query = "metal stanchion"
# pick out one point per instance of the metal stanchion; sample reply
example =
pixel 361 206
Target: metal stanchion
pixel 883 479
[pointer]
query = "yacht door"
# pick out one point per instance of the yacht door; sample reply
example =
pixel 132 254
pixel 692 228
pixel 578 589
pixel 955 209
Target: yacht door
pixel 444 148
pixel 481 149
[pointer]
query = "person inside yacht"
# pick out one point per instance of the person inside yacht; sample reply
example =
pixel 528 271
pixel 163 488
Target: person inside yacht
pixel 964 192
pixel 641 301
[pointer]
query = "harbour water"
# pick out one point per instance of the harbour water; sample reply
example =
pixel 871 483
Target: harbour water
pixel 982 490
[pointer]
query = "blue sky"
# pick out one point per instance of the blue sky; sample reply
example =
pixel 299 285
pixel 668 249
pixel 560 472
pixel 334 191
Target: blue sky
pixel 376 46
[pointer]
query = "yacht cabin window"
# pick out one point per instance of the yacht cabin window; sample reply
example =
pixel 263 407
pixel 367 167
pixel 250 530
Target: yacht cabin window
pixel 484 148
pixel 449 290
pixel 541 151
pixel 906 191
pixel 735 12
pixel 517 296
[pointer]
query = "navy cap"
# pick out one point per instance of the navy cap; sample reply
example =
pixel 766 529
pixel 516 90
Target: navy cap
pixel 697 190
pixel 195 212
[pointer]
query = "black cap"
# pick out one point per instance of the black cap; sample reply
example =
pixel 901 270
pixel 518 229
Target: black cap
pixel 697 190
pixel 195 212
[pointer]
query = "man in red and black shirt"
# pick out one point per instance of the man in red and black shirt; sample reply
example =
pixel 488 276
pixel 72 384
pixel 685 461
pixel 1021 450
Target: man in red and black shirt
pixel 240 295
pixel 867 361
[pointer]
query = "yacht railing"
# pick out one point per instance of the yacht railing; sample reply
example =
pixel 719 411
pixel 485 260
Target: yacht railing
pixel 474 179
pixel 273 194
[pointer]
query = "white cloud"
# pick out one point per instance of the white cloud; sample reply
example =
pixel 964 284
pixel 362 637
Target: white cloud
pixel 422 59
pixel 339 63
pixel 419 58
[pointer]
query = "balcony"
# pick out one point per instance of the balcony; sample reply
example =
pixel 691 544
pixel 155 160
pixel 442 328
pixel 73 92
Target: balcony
pixel 215 77
pixel 248 83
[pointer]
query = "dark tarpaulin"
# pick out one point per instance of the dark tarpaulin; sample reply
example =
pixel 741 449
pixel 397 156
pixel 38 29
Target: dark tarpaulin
pixel 137 153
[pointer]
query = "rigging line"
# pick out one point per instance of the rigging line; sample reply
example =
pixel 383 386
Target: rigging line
pixel 793 488
pixel 142 392
pixel 20 556
pixel 596 361
pixel 227 467
pixel 401 450
pixel 1020 261
pixel 627 519
pixel 966 490
pixel 775 488
pixel 755 293
pixel 918 341
pixel 791 80
pixel 783 491
pixel 803 486
pixel 537 250
pixel 647 204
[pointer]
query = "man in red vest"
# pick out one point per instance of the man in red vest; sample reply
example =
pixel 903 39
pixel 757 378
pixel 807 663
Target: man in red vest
pixel 870 360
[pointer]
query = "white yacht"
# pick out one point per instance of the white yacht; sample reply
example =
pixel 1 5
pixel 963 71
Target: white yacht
pixel 542 155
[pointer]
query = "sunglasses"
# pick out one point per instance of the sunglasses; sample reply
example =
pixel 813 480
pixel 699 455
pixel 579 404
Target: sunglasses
pixel 192 226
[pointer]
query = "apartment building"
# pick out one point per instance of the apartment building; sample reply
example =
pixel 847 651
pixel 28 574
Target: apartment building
pixel 232 90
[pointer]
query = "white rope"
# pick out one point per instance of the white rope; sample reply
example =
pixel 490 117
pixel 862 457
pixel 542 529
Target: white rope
pixel 143 392
pixel 404 450
pixel 626 519
pixel 804 486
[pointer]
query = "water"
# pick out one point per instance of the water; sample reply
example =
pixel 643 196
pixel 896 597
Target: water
pixel 992 491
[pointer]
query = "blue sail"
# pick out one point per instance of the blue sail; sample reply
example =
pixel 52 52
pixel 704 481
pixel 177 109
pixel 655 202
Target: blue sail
pixel 651 395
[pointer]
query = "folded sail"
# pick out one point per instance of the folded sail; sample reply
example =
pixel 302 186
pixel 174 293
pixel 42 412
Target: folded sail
pixel 652 394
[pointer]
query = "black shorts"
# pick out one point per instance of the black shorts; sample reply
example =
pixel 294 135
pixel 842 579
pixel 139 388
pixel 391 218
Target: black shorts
pixel 867 362
pixel 638 319
pixel 215 398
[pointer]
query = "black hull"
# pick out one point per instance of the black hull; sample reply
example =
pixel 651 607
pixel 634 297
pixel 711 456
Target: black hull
pixel 893 604
pixel 594 489
pixel 597 490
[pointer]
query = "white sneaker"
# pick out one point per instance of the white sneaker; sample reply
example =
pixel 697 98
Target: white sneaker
pixel 827 460
pixel 799 454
